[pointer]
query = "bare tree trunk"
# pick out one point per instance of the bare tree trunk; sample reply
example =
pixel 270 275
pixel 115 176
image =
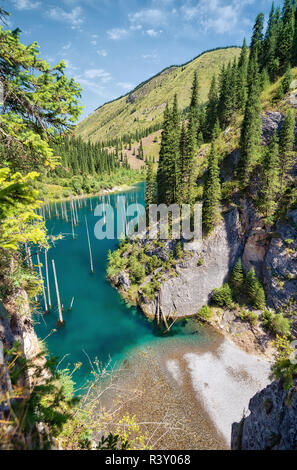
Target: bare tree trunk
pixel 47 283
pixel 60 321
pixel 89 243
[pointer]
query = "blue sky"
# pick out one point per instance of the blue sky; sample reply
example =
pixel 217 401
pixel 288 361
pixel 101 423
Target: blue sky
pixel 112 45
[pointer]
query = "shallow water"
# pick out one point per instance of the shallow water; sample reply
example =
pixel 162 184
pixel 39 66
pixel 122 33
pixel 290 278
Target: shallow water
pixel 100 324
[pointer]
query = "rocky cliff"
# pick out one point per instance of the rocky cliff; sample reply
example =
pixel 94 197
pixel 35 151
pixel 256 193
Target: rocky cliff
pixel 271 423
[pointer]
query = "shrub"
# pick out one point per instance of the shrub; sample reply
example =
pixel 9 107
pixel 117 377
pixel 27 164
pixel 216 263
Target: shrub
pixel 222 296
pixel 276 323
pixel 137 270
pixel 178 250
pixel 281 325
pixel 250 317
pixel 205 312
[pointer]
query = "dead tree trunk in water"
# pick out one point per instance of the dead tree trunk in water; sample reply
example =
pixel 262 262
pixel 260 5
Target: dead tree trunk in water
pixel 47 283
pixel 89 243
pixel 61 322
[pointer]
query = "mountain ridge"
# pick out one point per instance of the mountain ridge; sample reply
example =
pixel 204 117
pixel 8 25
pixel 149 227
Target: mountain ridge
pixel 118 117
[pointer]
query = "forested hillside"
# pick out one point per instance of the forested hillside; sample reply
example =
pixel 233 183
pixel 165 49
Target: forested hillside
pixel 140 112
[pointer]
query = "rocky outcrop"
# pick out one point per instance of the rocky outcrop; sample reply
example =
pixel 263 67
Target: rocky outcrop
pixel 280 266
pixel 271 121
pixel 271 423
pixel 208 268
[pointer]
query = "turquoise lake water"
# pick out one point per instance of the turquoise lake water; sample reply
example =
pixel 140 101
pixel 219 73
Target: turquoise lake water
pixel 100 324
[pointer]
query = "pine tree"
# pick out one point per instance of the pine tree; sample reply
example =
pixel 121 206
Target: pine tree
pixel 227 96
pixel 188 164
pixel 270 180
pixel 169 161
pixel 286 146
pixel 256 47
pixel 237 278
pixel 241 86
pixel 287 79
pixel 250 137
pixel 286 34
pixel 264 79
pixel 211 192
pixel 150 186
pixel 254 290
pixel 270 58
pixel 211 109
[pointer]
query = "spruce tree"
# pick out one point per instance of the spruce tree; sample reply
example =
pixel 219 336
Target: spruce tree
pixel 211 192
pixel 168 173
pixel 254 290
pixel 256 47
pixel 211 109
pixel 251 128
pixel 286 146
pixel 150 186
pixel 270 181
pixel 287 79
pixel 241 87
pixel 188 164
pixel 270 59
pixel 237 278
pixel 286 34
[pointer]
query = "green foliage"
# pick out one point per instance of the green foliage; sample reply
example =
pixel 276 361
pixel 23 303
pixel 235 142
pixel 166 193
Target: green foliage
pixel 286 145
pixel 18 201
pixel 136 270
pixel 116 263
pixel 49 400
pixel 211 192
pixel 249 317
pixel 285 371
pixel 205 313
pixel 222 296
pixel 254 290
pixel 276 323
pixel 237 278
pixel 251 126
pixel 288 78
pixel 178 250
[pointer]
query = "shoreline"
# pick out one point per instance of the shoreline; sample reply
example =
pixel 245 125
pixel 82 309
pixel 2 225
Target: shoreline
pixel 202 382
pixel 113 190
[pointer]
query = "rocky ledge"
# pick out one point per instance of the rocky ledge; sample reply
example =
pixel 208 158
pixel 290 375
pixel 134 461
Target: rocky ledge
pixel 271 424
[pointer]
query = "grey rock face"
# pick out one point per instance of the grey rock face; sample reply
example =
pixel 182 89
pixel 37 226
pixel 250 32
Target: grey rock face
pixel 124 281
pixel 280 268
pixel 190 290
pixel 271 121
pixel 272 421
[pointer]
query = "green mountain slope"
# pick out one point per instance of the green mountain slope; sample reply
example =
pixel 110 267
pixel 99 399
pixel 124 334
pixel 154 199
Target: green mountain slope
pixel 144 106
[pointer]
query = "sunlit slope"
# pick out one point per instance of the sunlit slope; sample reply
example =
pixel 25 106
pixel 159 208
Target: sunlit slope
pixel 144 106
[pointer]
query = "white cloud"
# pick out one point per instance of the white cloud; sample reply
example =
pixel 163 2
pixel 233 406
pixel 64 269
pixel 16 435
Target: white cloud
pixel 66 46
pixel 153 33
pixel 213 14
pixel 117 33
pixel 94 42
pixel 102 52
pixel 98 74
pixel 25 4
pixel 126 85
pixel 150 17
pixel 74 17
pixel 152 56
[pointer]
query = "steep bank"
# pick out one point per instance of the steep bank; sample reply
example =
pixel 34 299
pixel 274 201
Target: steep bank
pixel 271 424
